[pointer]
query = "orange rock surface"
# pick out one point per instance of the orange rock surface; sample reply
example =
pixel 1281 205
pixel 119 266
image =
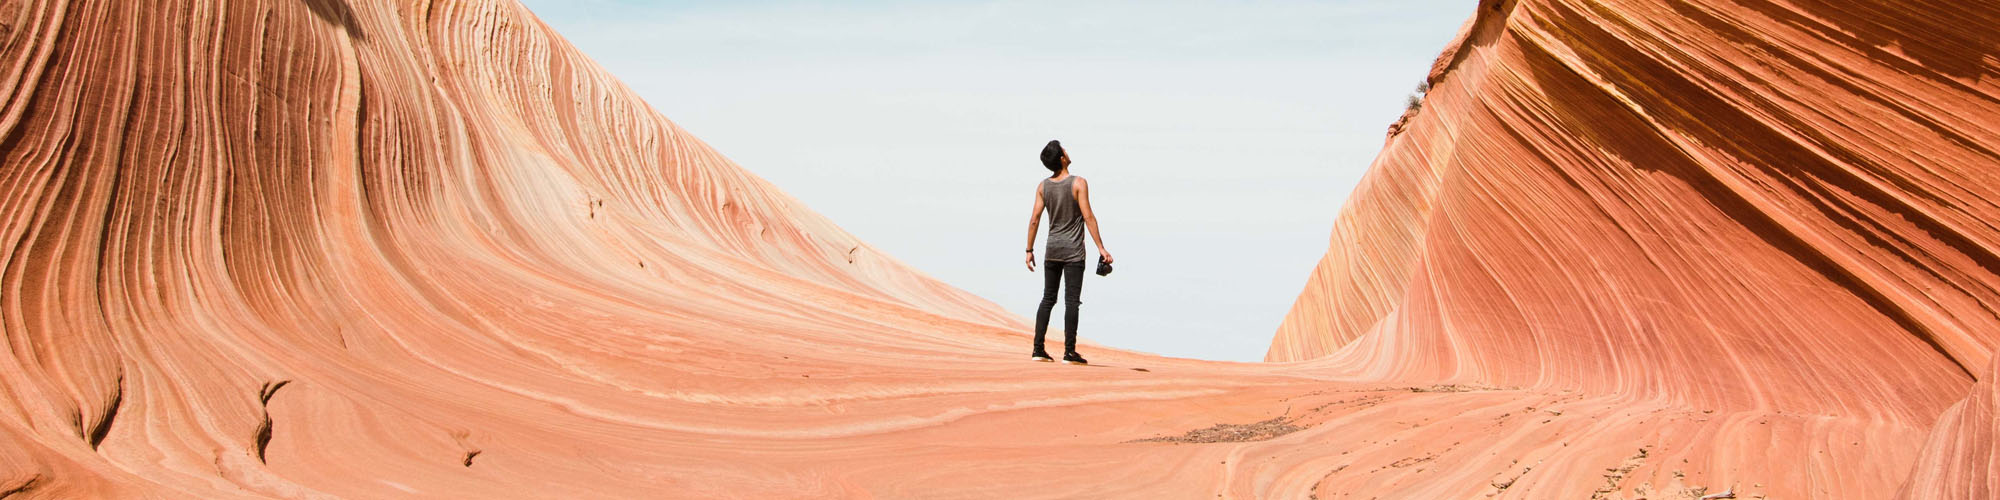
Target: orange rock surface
pixel 410 248
pixel 1779 209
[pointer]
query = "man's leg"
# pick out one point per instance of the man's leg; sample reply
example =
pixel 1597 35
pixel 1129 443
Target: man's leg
pixel 1072 297
pixel 1051 275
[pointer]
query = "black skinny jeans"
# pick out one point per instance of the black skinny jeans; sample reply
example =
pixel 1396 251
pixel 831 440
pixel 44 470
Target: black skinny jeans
pixel 1052 272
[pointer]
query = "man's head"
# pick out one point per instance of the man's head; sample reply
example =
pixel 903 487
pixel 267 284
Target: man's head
pixel 1054 157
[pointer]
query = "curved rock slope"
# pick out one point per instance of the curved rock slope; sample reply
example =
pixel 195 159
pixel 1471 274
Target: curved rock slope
pixel 402 225
pixel 410 248
pixel 1783 206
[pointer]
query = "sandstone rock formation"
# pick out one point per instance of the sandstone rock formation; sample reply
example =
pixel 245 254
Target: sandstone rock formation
pixel 1780 207
pixel 424 248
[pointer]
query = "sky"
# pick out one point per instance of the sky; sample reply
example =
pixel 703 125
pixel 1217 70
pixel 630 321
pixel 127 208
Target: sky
pixel 1219 138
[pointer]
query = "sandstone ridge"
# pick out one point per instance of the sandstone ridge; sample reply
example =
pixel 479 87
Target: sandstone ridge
pixel 425 248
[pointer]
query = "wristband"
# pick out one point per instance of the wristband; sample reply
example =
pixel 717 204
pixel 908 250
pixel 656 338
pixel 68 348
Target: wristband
pixel 1031 250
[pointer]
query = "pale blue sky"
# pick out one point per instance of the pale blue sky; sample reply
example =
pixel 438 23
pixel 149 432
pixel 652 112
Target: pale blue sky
pixel 1220 138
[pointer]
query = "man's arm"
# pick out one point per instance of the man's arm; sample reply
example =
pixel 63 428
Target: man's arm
pixel 1082 191
pixel 1034 223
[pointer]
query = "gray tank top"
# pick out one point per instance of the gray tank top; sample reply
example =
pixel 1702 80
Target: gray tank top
pixel 1065 221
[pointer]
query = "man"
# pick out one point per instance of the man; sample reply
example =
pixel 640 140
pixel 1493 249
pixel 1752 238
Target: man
pixel 1067 200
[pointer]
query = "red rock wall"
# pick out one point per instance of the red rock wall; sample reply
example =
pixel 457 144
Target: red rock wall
pixel 401 202
pixel 1793 200
pixel 1783 205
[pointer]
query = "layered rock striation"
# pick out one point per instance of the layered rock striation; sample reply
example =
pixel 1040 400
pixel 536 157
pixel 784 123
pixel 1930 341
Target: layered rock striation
pixel 1774 206
pixel 424 248
pixel 251 244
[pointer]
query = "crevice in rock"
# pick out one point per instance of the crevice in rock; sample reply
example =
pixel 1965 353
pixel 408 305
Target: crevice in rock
pixel 468 451
pixel 270 389
pixel 262 440
pixel 95 435
pixel 22 487
pixel 337 13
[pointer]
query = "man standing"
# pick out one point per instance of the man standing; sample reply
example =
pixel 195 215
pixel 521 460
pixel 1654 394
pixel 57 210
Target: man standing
pixel 1067 200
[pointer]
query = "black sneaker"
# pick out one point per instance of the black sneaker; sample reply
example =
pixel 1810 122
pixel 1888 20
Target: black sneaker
pixel 1042 356
pixel 1071 358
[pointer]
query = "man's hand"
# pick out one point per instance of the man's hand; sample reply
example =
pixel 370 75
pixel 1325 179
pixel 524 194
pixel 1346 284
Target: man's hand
pixel 1103 255
pixel 1031 261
